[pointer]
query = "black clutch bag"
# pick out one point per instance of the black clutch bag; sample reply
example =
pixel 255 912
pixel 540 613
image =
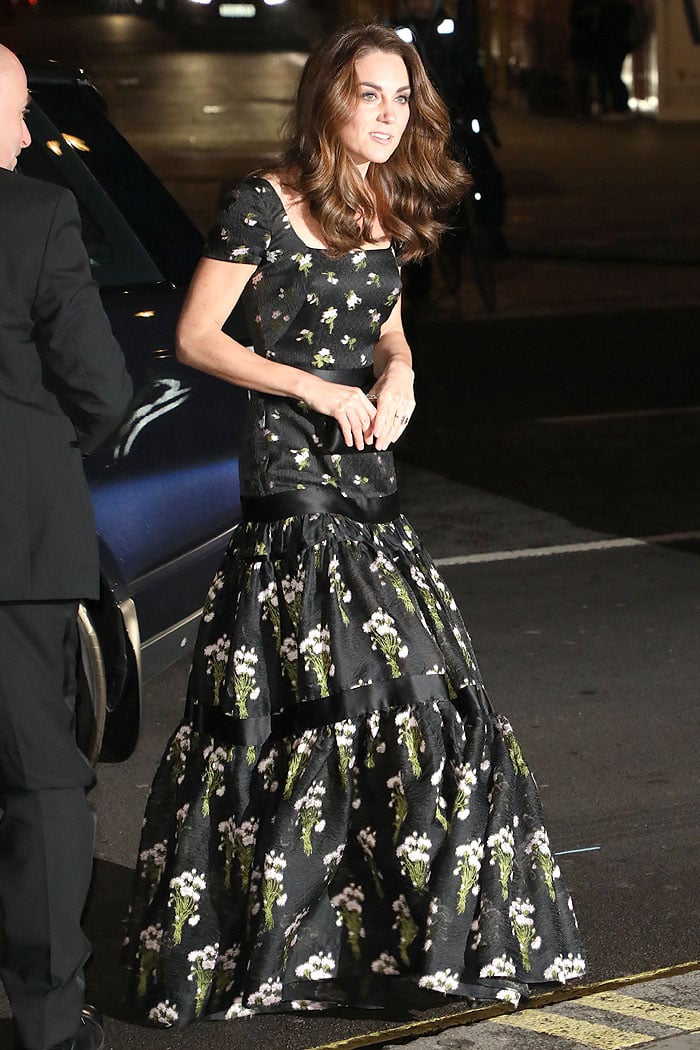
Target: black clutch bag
pixel 327 429
pixel 332 442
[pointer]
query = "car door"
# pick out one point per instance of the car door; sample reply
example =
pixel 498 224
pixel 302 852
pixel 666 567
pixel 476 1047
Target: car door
pixel 165 487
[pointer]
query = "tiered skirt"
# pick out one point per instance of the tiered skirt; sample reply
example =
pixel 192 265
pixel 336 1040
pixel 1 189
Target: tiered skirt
pixel 340 816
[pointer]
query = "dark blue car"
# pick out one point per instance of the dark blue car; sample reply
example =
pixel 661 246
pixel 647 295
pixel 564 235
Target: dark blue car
pixel 260 24
pixel 165 487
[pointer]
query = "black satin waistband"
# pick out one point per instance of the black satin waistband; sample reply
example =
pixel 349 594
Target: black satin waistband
pixel 326 500
pixel 471 702
pixel 329 436
pixel 362 377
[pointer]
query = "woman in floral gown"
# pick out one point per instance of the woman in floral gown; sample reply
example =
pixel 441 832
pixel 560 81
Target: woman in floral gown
pixel 340 815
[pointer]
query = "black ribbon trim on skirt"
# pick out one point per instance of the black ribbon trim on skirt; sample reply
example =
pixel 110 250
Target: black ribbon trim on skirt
pixel 471 702
pixel 326 500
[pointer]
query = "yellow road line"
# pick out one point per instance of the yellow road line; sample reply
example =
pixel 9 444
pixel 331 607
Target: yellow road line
pixel 687 1020
pixel 596 1035
pixel 443 1022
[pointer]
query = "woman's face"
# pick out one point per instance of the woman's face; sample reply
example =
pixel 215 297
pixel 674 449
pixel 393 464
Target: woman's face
pixel 380 118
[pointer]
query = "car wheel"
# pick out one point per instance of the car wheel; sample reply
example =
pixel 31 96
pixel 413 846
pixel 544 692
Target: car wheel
pixel 91 699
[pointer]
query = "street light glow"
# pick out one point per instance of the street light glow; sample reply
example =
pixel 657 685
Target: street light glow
pixel 446 27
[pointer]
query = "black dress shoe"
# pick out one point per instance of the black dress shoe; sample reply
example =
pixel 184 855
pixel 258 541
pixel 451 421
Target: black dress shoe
pixel 90 1034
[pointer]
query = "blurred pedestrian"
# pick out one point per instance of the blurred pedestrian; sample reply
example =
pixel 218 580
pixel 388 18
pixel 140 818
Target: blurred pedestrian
pixel 449 49
pixel 583 51
pixel 340 817
pixel 63 388
pixel 612 47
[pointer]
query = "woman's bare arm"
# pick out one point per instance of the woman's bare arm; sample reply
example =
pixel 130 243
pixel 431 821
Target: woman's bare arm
pixel 200 342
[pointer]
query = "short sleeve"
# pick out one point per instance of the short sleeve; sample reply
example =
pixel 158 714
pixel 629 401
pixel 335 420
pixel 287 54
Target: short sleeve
pixel 242 231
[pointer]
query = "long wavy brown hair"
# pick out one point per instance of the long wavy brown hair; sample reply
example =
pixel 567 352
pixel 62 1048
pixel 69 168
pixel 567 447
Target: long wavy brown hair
pixel 411 193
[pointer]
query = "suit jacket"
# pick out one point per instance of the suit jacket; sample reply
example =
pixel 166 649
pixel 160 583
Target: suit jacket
pixel 63 388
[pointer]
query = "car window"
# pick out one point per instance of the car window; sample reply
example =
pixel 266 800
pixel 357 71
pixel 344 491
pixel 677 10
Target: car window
pixel 162 228
pixel 117 257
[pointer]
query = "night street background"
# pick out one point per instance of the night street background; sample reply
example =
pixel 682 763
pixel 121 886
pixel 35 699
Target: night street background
pixel 566 512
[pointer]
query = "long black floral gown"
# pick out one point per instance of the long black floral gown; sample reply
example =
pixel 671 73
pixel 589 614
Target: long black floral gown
pixel 340 813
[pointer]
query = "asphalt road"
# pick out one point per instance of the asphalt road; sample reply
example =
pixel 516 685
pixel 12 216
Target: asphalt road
pixel 568 424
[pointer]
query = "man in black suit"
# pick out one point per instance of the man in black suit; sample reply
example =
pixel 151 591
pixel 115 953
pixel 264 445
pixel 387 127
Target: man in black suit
pixel 63 389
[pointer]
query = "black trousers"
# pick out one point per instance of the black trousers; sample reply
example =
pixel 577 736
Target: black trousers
pixel 47 828
pixel 614 96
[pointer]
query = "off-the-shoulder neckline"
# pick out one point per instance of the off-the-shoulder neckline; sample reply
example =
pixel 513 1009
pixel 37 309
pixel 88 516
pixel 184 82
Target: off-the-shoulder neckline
pixel 313 247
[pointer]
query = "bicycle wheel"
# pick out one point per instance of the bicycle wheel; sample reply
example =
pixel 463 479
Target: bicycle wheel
pixel 478 244
pixel 449 260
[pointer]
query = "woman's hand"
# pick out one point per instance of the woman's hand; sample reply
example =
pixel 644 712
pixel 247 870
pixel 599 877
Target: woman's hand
pixel 393 396
pixel 348 405
pixel 392 392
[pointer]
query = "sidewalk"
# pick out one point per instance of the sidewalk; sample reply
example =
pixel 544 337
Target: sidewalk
pixel 663 1013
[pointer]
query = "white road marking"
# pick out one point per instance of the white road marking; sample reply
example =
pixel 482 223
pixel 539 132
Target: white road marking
pixel 614 543
pixel 581 849
pixel 646 1009
pixel 635 413
pixel 602 1037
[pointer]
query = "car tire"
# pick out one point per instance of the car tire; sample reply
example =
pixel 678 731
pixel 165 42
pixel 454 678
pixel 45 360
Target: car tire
pixel 91 697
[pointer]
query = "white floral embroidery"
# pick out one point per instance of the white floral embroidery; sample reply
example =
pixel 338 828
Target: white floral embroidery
pixel 565 968
pixel 328 317
pixel 322 358
pixel 316 651
pixel 303 261
pixel 164 1013
pixel 502 846
pixel 500 966
pixel 236 1009
pixel 469 856
pixel 317 967
pixel 202 972
pixel 273 883
pixel 523 926
pixel 216 585
pixel 385 964
pixel 302 457
pixel 508 995
pixel 386 638
pixel 268 994
pixel 442 981
pixel 349 904
pixel 308 808
pixel 414 856
pixel 185 893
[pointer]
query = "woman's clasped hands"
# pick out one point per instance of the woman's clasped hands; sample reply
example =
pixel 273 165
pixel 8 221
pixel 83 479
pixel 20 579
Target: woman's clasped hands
pixel 377 418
